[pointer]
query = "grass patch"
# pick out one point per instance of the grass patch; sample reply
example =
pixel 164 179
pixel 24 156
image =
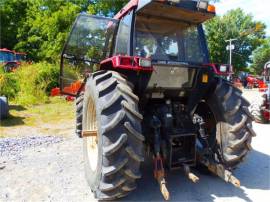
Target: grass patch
pixel 32 111
pixel 56 110
pixel 50 117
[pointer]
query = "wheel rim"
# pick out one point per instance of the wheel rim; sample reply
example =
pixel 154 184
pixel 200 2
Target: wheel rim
pixel 92 140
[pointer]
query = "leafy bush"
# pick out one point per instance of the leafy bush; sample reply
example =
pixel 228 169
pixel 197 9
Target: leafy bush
pixel 47 77
pixel 30 84
pixel 9 85
pixel 35 82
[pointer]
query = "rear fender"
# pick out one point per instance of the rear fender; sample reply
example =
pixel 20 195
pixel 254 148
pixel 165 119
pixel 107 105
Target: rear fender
pixel 201 89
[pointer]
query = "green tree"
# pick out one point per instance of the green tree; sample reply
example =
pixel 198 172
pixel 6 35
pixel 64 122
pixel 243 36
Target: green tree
pixel 105 7
pixel 260 56
pixel 43 28
pixel 249 33
pixel 44 32
pixel 12 16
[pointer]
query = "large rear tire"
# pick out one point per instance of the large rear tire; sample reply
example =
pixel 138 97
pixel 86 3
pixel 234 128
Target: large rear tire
pixel 229 124
pixel 114 153
pixel 79 114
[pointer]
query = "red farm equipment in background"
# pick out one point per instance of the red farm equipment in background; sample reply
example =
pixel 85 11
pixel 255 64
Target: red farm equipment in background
pixel 10 60
pixel 20 57
pixel 260 107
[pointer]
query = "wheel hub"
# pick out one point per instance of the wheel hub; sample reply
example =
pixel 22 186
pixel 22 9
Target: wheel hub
pixel 91 134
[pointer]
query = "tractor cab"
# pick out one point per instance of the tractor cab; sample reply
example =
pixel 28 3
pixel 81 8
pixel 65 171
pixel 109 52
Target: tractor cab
pixel 143 36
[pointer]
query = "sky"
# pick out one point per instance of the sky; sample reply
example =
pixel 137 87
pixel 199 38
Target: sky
pixel 260 9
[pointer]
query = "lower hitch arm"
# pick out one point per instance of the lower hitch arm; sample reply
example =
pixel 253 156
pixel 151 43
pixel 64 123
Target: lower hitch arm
pixel 159 172
pixel 223 173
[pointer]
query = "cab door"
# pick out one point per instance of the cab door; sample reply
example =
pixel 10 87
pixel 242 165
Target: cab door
pixel 90 41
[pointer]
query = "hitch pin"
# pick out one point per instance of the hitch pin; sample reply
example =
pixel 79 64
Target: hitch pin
pixel 190 175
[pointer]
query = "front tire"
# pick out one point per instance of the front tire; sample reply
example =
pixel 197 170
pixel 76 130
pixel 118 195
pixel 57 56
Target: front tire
pixel 111 108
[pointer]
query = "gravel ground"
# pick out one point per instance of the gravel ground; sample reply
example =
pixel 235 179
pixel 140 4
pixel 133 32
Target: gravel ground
pixel 50 168
pixel 13 147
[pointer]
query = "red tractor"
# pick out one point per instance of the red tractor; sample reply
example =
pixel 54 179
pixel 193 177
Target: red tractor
pixel 260 107
pixel 253 81
pixel 145 87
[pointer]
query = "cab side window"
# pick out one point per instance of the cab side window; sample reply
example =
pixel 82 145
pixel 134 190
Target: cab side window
pixel 122 45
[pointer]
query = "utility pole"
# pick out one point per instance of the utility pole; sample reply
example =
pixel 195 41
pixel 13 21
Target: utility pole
pixel 230 47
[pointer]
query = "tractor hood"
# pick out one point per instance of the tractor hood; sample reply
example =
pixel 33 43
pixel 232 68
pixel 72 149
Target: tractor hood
pixel 194 12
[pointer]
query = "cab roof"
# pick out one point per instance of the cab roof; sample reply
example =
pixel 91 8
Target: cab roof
pixel 185 10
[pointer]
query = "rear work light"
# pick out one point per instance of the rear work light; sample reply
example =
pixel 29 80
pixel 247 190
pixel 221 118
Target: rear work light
pixel 223 68
pixel 175 1
pixel 202 5
pixel 145 62
pixel 171 1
